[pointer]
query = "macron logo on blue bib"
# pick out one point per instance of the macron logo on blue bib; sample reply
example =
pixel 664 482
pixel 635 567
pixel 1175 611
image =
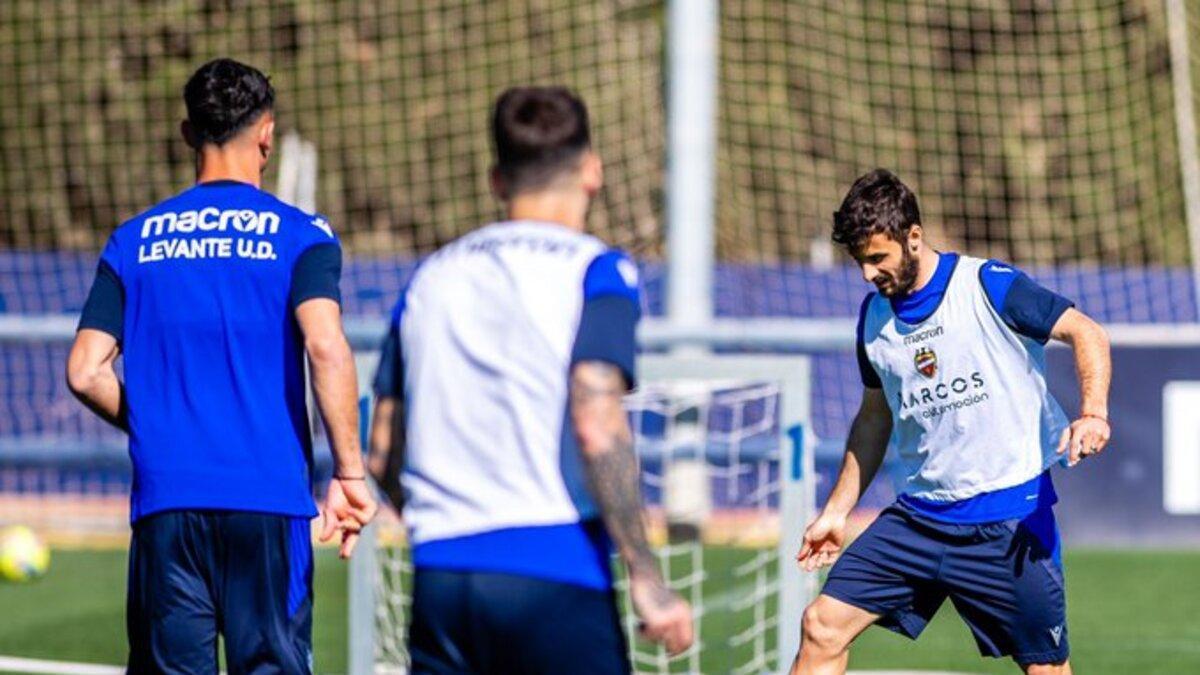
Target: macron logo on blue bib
pixel 322 225
pixel 169 235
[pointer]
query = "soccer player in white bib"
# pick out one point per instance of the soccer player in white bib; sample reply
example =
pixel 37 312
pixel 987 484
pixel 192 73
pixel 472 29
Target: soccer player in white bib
pixel 951 354
pixel 499 429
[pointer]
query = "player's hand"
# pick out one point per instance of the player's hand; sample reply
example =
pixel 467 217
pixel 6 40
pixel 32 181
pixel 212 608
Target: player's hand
pixel 349 506
pixel 665 617
pixel 1086 436
pixel 822 542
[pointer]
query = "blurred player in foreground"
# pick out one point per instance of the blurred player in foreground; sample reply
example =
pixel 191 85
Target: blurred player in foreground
pixel 213 297
pixel 499 409
pixel 951 354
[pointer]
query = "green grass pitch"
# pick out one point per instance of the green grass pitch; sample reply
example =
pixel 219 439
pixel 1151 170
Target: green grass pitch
pixel 1130 612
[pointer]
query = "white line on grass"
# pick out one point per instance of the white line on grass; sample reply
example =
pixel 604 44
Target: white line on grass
pixel 11 664
pixel 905 672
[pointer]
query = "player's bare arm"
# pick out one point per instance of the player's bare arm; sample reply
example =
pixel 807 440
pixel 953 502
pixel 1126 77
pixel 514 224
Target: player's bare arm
pixel 92 378
pixel 606 443
pixel 349 505
pixel 865 449
pixel 386 455
pixel 1089 434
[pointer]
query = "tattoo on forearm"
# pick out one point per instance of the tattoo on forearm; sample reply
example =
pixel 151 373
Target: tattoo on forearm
pixel 613 474
pixel 614 481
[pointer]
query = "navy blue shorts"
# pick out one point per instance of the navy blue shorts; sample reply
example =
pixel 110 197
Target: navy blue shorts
pixel 1004 578
pixel 485 622
pixel 247 576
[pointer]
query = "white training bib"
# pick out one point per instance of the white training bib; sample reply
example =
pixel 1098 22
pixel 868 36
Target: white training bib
pixel 487 332
pixel 970 409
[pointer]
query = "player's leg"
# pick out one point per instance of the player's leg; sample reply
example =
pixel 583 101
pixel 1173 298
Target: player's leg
pixel 1040 531
pixel 828 628
pixel 1007 585
pixel 440 633
pixel 264 592
pixel 1063 668
pixel 170 616
pixel 536 626
pixel 887 576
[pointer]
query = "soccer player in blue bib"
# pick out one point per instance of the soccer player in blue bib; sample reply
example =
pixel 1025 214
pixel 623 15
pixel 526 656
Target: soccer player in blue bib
pixel 499 410
pixel 213 298
pixel 951 354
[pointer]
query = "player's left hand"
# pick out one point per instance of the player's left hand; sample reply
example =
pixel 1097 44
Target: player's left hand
pixel 665 617
pixel 349 506
pixel 1086 436
pixel 822 542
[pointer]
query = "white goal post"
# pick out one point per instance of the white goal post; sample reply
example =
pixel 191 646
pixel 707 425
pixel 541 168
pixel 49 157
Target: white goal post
pixel 797 471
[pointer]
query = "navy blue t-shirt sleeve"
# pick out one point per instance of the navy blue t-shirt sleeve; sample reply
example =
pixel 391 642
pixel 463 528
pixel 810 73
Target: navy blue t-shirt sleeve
pixel 389 375
pixel 1025 306
pixel 104 309
pixel 870 378
pixel 611 309
pixel 316 274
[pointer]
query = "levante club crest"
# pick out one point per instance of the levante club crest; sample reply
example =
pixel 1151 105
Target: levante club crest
pixel 926 361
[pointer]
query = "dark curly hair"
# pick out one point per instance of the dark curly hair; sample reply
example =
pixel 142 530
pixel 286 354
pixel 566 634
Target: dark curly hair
pixel 878 202
pixel 223 97
pixel 539 132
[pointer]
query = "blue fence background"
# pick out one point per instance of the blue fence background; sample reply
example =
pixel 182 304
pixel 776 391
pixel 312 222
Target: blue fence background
pixel 1117 499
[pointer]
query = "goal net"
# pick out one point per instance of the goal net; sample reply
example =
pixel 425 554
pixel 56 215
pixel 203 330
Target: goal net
pixel 1046 133
pixel 728 483
pixel 394 96
pixel 1043 133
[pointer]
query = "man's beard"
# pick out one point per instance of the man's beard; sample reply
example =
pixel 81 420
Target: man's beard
pixel 906 277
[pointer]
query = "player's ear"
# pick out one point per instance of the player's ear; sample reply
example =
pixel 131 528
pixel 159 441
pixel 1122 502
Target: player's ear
pixel 189 134
pixel 496 181
pixel 915 236
pixel 266 136
pixel 591 173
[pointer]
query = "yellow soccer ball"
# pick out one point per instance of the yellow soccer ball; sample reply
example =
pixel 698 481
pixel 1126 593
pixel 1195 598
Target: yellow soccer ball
pixel 23 557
